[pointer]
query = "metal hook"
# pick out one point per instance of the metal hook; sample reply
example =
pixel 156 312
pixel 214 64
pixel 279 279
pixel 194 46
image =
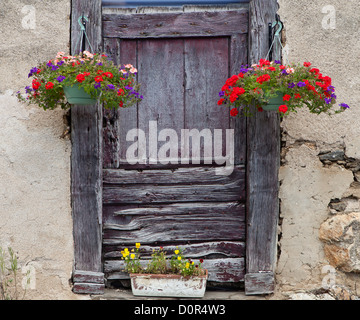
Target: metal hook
pixel 277 22
pixel 81 22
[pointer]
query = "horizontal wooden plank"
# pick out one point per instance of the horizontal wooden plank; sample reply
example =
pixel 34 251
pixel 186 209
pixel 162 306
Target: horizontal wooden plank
pixel 88 277
pixel 225 249
pixel 197 175
pixel 259 283
pixel 194 227
pixel 122 214
pixel 175 24
pixel 88 288
pixel 220 270
pixel 127 194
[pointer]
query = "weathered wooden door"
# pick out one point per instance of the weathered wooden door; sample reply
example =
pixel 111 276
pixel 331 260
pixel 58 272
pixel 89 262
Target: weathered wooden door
pixel 174 195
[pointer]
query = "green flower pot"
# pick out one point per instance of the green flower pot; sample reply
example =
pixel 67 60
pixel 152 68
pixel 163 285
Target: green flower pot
pixel 274 103
pixel 76 95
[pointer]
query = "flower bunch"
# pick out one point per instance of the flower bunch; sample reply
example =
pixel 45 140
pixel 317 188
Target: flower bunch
pixel 185 267
pixel 115 86
pixel 297 85
pixel 159 263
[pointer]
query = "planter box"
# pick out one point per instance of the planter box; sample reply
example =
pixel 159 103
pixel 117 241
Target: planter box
pixel 168 285
pixel 77 95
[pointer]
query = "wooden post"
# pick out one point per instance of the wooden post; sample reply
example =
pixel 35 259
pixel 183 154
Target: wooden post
pixel 263 160
pixel 86 166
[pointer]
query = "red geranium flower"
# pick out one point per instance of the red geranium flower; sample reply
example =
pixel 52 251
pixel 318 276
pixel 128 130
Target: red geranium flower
pixel 286 97
pixel 307 64
pixel 283 108
pixel 80 77
pixel 99 79
pixel 108 74
pixel 49 85
pixel 221 101
pixel 36 84
pixel 233 112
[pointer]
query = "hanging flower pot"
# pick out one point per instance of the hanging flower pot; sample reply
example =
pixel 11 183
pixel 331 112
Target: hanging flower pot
pixel 274 103
pixel 82 79
pixel 284 88
pixel 76 95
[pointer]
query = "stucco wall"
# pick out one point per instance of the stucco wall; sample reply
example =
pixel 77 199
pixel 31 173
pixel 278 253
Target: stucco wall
pixel 35 212
pixel 324 32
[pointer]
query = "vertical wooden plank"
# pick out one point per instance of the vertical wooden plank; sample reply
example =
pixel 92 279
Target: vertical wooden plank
pixel 238 58
pixel 263 165
pixel 206 70
pixel 86 159
pixel 117 123
pixel 163 102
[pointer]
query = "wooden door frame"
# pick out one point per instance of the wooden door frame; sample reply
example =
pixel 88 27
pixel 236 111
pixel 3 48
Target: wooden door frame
pixel 263 158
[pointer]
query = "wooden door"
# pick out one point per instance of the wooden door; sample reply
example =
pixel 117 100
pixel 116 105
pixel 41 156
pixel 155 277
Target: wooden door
pixel 166 199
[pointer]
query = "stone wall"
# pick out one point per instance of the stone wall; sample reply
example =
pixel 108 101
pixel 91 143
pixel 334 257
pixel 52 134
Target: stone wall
pixel 319 175
pixel 35 212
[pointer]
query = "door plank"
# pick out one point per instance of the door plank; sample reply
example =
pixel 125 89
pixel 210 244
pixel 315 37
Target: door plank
pixel 163 101
pixel 216 249
pixel 175 24
pixel 234 191
pixel 196 175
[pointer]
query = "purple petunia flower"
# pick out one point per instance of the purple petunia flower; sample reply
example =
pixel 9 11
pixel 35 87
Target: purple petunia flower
pixel 97 85
pixel 291 85
pixel 49 64
pixel 344 105
pixel 221 93
pixel 60 63
pixel 327 100
pixel 28 89
pixel 60 78
pixel 111 86
pixel 277 61
pixel 53 68
pixel 32 71
pixel 99 64
pixel 301 84
pixel 333 95
pixel 284 72
pixel 330 89
pixel 128 88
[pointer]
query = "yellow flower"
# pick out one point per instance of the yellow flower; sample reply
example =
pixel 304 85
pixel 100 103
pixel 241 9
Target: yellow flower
pixel 187 265
pixel 137 244
pixel 179 258
pixel 176 251
pixel 132 256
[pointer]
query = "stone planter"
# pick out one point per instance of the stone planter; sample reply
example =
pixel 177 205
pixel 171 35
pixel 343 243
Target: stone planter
pixel 168 285
pixel 76 95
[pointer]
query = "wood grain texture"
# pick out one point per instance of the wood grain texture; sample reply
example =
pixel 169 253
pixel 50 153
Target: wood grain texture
pixel 263 161
pixel 195 175
pixel 210 250
pixel 86 161
pixel 175 24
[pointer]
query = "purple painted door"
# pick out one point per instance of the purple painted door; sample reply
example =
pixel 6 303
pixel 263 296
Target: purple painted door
pixel 162 184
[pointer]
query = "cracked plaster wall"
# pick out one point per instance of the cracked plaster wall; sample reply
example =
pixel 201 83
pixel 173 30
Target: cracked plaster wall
pixel 308 185
pixel 35 212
